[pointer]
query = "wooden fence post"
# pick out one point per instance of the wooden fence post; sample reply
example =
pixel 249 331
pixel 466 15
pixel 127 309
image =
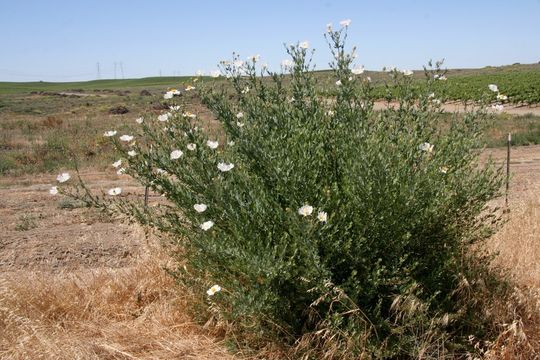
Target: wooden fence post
pixel 508 145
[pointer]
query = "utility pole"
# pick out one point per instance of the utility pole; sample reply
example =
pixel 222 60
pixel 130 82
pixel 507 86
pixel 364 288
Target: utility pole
pixel 122 69
pixel 98 71
pixel 115 70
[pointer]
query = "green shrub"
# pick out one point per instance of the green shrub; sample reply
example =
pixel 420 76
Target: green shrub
pixel 346 230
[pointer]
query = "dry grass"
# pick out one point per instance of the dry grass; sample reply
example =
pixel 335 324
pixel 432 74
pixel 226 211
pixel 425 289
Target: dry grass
pixel 131 313
pixel 518 247
pixel 518 242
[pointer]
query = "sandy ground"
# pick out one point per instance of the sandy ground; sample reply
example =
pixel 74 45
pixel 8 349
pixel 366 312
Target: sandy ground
pixel 62 238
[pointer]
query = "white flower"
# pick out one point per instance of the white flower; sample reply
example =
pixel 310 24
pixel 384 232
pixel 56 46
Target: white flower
pixel 368 79
pixel 213 290
pixel 345 22
pixel 121 171
pixel 407 72
pixel 338 83
pixel 114 191
pixel 139 120
pixel 330 113
pixel 212 144
pixel 126 138
pixel 230 143
pixel 322 216
pixel 240 115
pixel 53 190
pixel 329 27
pixel 254 58
pixel 246 90
pixel 160 171
pixel 225 167
pixel 443 169
pixel 206 225
pixel 200 208
pixel 189 88
pixel 110 133
pixel 163 117
pixel 200 73
pixel 132 153
pixel 436 101
pixel 440 77
pixel 169 94
pixel 431 95
pixel 240 124
pixel 116 164
pixel 427 147
pixel 191 147
pixel 176 154
pixel 215 73
pixel 238 63
pixel 304 45
pixel 63 177
pixel 493 87
pixel 502 97
pixel 287 63
pixel 305 210
pixel 357 70
pixel 498 107
pixel 175 107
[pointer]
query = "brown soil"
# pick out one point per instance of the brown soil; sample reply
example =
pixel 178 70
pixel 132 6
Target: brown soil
pixel 460 107
pixel 40 231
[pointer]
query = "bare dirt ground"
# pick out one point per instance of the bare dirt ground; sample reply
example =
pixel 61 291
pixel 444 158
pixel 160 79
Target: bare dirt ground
pixel 40 231
pixel 460 107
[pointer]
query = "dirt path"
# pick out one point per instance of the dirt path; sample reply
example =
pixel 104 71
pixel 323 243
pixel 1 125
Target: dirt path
pixel 460 107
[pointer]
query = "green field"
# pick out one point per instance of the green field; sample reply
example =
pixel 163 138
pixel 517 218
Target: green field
pixel 521 83
pixel 109 84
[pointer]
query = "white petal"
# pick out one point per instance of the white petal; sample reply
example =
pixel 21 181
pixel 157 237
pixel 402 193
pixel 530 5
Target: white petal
pixel 200 208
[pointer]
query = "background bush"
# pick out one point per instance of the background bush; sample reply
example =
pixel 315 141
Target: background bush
pixel 393 271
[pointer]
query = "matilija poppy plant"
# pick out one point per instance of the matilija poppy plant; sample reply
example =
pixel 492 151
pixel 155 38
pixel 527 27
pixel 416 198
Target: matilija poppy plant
pixel 207 225
pixel 212 144
pixel 213 290
pixel 225 167
pixel 114 191
pixel 305 210
pixel 63 177
pixel 176 154
pixel 126 138
pixel 200 208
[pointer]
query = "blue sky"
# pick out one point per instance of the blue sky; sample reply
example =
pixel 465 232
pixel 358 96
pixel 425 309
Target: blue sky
pixel 59 40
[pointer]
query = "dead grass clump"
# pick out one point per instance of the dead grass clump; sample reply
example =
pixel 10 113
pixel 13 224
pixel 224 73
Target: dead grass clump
pixel 129 313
